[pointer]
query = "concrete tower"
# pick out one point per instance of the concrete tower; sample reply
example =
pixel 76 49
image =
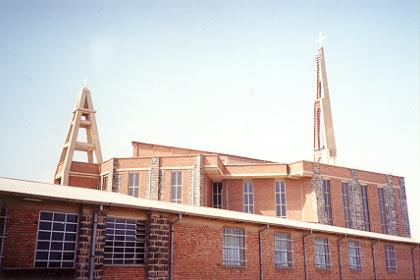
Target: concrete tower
pixel 325 150
pixel 68 171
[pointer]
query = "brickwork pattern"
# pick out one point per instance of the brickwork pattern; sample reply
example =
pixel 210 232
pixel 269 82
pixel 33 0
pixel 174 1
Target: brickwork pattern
pixel 404 210
pixel 390 211
pixel 198 249
pixel 19 244
pixel 157 248
pixel 197 182
pixel 124 272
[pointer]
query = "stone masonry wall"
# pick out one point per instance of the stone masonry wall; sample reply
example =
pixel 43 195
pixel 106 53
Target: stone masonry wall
pixel 318 203
pixel 115 178
pixel 84 245
pixel 390 211
pixel 155 179
pixel 404 210
pixel 157 247
pixel 355 201
pixel 197 181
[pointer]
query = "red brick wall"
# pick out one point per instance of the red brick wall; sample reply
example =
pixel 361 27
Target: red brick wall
pixel 186 184
pixel 366 258
pixel 83 182
pixel 269 268
pixel 294 198
pixel 198 253
pixel 416 256
pixel 19 246
pixel 337 203
pixel 264 199
pixel 403 258
pixel 316 273
pixel 198 250
pixel 21 230
pixel 234 191
pixel 128 272
pixel 374 211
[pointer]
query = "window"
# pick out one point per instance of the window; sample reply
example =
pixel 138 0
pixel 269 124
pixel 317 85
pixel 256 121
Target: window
pixel 327 200
pixel 391 262
pixel 346 203
pixel 217 195
pixel 382 210
pixel 365 208
pixel 133 184
pixel 280 199
pixel 233 247
pixel 56 241
pixel 176 189
pixel 104 183
pixel 283 250
pixel 248 197
pixel 124 241
pixel 322 253
pixel 3 217
pixel 354 256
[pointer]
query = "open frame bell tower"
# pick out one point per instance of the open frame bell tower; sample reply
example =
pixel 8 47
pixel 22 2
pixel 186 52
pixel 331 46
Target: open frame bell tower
pixel 68 171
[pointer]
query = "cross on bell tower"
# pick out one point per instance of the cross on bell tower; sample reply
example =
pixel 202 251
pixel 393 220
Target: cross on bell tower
pixel 325 150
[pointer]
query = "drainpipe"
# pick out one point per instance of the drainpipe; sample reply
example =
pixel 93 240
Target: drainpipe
pixel 412 260
pixel 93 243
pixel 339 256
pixel 372 242
pixel 260 250
pixel 304 253
pixel 171 240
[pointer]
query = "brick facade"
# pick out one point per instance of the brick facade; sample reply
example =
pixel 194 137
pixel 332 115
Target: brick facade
pixel 198 247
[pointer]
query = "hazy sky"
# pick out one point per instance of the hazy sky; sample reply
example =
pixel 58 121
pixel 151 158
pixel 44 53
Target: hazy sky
pixel 229 76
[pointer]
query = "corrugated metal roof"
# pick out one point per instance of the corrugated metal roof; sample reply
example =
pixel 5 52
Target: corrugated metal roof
pixel 66 193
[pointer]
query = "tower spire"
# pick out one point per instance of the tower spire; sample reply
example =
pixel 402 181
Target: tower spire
pixel 325 150
pixel 83 118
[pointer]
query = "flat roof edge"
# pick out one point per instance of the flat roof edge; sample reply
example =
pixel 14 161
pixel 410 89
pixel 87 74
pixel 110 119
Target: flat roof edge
pixel 96 197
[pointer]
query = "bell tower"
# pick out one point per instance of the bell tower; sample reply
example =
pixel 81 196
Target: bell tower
pixel 80 173
pixel 325 150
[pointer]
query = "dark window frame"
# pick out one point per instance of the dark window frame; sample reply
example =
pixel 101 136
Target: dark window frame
pixel 124 238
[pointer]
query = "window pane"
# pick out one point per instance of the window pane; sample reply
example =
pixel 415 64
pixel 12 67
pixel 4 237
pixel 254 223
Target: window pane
pixel 233 247
pixel 51 248
pixel 130 240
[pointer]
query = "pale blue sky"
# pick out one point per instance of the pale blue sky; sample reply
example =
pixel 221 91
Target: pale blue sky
pixel 229 76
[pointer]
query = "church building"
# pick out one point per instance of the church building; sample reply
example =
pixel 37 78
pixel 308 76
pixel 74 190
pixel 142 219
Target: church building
pixel 179 213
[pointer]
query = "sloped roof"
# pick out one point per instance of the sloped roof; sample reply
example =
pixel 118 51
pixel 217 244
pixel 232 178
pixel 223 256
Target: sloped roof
pixel 96 197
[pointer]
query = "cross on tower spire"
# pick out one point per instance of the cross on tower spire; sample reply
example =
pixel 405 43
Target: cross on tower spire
pixel 320 39
pixel 325 150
